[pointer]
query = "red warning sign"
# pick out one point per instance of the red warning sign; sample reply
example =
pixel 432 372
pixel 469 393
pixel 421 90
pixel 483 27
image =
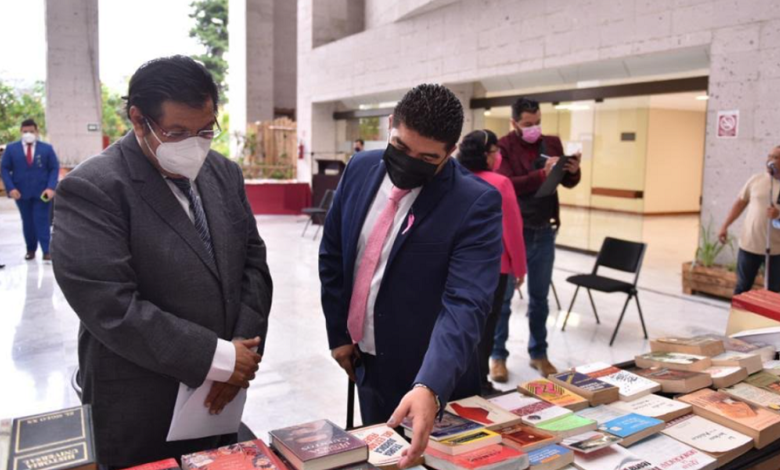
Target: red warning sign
pixel 728 124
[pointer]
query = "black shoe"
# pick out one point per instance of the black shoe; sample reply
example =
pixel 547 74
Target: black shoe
pixel 30 255
pixel 47 257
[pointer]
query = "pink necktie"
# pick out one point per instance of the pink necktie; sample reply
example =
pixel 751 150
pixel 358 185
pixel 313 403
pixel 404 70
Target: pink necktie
pixel 368 264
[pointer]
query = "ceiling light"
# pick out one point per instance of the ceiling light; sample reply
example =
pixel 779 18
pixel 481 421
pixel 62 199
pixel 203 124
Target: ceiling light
pixel 572 107
pixel 702 97
pixel 487 113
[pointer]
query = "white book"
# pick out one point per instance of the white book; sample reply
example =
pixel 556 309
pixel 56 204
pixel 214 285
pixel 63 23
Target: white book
pixel 481 411
pixel 612 458
pixel 531 411
pixel 653 406
pixel 385 446
pixel 601 414
pixel 706 435
pixel 631 385
pixel 670 454
pixel 756 396
pixel 717 372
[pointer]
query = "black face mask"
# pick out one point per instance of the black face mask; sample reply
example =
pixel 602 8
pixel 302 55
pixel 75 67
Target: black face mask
pixel 357 149
pixel 406 172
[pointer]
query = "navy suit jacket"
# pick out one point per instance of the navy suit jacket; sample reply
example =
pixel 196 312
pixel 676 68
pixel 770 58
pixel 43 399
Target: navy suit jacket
pixel 438 285
pixel 31 181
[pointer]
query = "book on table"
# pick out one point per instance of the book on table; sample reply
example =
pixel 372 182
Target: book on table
pixel 754 395
pixel 385 446
pixel 630 385
pixel 760 424
pixel 675 381
pixel 450 425
pixel 495 457
pixel 481 411
pixel 715 440
pixel 726 376
pixel 670 454
pixel 318 445
pixel 553 457
pixel 568 426
pixel 772 367
pixel 532 411
pixel 61 440
pixel 654 406
pixel 551 392
pixel 593 390
pixel 167 464
pixel 465 443
pixel 590 441
pixel 765 380
pixel 247 455
pixel 612 458
pixel 633 428
pixel 766 351
pixel 602 413
pixel 698 345
pixel 751 362
pixel 526 438
pixel 673 360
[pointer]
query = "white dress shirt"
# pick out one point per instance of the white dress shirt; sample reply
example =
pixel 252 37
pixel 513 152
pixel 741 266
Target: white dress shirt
pixel 224 361
pixel 381 199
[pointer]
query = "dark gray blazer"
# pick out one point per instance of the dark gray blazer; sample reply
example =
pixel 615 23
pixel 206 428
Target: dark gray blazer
pixel 152 303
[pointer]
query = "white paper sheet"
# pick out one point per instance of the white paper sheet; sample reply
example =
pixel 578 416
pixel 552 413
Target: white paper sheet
pixel 191 418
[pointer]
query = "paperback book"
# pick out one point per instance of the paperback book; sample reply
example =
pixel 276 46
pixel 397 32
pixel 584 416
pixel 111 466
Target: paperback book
pixel 670 454
pixel 715 440
pixel 673 360
pixel 242 456
pixel 675 381
pixel 633 428
pixel 531 411
pixel 654 406
pixel 699 345
pixel 593 390
pixel 754 395
pixel 631 386
pixel 601 414
pixel 590 441
pixel 483 412
pixel 525 438
pixel 465 443
pixel 567 426
pixel 726 376
pixel 385 446
pixel 450 425
pixel 551 392
pixel 550 458
pixel 751 362
pixel 495 457
pixel 612 458
pixel 167 464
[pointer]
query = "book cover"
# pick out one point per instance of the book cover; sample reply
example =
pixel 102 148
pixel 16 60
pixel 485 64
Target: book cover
pixel 765 380
pixel 701 345
pixel 705 435
pixel 385 446
pixel 670 454
pixel 612 458
pixel 653 406
pixel 314 440
pixel 664 373
pixel 601 414
pixel 531 410
pixel 480 458
pixel 479 438
pixel 672 358
pixel 247 455
pixel 567 424
pixel 590 441
pixel 751 362
pixel 755 395
pixel 552 393
pixel 481 411
pixel 168 464
pixel 629 425
pixel 719 372
pixel 630 385
pixel 60 440
pixel 548 454
pixel 449 425
pixel 584 382
pixel 524 437
pixel 772 367
pixel 732 409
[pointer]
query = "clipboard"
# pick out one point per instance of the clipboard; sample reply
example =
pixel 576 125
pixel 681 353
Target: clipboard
pixel 555 177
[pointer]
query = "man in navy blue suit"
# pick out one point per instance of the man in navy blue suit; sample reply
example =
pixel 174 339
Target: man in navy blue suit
pixel 30 171
pixel 409 262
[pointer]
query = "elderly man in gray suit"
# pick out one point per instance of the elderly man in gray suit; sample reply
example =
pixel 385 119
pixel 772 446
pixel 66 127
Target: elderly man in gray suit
pixel 156 249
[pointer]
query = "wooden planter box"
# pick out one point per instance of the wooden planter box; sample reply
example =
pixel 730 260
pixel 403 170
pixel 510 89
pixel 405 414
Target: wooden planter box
pixel 716 280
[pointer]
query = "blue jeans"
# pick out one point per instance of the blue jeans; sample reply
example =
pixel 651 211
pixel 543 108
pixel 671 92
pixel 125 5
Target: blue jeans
pixel 540 254
pixel 36 223
pixel 502 327
pixel 748 265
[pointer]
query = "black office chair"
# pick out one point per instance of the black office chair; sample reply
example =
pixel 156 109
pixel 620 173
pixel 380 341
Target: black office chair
pixel 615 254
pixel 318 212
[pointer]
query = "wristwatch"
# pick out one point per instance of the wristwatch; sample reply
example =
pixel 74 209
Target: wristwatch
pixel 435 397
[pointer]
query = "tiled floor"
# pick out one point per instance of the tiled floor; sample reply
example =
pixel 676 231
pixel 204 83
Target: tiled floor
pixel 298 381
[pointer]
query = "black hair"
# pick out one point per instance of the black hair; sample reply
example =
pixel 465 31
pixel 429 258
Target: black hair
pixel 523 105
pixel 361 141
pixel 29 122
pixel 177 78
pixel 473 149
pixel 432 111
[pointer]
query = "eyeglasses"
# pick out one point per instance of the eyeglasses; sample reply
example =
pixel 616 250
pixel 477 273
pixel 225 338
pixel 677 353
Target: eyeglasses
pixel 178 136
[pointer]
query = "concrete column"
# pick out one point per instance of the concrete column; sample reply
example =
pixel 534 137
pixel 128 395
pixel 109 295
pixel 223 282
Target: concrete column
pixel 73 98
pixel 464 92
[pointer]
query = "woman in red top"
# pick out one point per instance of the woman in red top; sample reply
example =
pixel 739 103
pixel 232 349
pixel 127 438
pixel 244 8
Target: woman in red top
pixel 479 153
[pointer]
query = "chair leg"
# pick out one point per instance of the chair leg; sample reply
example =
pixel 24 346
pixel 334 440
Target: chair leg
pixel 319 227
pixel 308 222
pixel 620 320
pixel 555 294
pixel 593 304
pixel 641 317
pixel 565 320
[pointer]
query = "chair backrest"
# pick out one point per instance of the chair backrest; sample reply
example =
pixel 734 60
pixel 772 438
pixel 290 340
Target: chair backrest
pixel 327 199
pixel 621 255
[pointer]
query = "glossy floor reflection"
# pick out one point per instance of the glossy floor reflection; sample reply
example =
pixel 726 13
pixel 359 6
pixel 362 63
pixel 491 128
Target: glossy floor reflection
pixel 298 381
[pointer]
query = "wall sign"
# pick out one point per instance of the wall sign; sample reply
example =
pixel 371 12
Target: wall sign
pixel 728 124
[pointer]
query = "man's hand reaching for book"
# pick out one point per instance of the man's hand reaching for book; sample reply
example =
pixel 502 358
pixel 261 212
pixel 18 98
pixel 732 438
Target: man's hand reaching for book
pixel 419 405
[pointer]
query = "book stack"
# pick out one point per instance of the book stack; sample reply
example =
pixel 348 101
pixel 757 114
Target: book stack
pixel 752 363
pixel 628 427
pixel 483 412
pixel 674 361
pixel 593 390
pixel 242 456
pixel 318 445
pixel 699 345
pixel 553 393
pixel 531 411
pixel 631 386
pixel 675 381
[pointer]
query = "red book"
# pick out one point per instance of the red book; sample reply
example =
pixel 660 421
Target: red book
pixel 169 464
pixel 761 302
pixel 248 455
pixel 490 457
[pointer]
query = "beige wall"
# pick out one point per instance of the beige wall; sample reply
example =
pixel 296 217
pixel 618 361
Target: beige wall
pixel 675 160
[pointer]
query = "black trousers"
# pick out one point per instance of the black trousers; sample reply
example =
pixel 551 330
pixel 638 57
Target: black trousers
pixel 489 333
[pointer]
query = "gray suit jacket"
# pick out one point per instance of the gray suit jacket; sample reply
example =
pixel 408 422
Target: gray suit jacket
pixel 152 302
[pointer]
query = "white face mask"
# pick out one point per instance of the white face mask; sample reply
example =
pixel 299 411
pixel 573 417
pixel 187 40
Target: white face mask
pixel 183 158
pixel 29 137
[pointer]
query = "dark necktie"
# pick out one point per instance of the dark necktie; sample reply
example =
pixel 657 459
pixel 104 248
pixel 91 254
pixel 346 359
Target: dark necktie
pixel 199 216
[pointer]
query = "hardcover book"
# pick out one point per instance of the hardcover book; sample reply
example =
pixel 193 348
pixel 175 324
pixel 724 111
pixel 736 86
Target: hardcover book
pixel 553 393
pixel 465 443
pixel 483 412
pixel 61 440
pixel 612 458
pixel 670 454
pixel 726 376
pixel 495 457
pixel 531 410
pixel 525 438
pixel 754 395
pixel 242 456
pixel 699 345
pixel 567 426
pixel 633 428
pixel 385 446
pixel 168 464
pixel 760 424
pixel 751 362
pixel 673 360
pixel 675 381
pixel 550 458
pixel 593 390
pixel 450 425
pixel 590 441
pixel 719 442
pixel 319 445
pixel 631 386
pixel 654 406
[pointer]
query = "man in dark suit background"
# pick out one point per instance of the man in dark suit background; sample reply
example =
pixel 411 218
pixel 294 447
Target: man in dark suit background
pixel 156 249
pixel 409 262
pixel 30 172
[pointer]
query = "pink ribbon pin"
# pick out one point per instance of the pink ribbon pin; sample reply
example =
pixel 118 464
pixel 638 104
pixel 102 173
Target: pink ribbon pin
pixel 409 223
